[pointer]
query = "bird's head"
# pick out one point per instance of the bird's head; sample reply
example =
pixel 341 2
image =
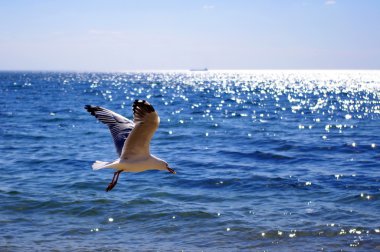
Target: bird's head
pixel 162 165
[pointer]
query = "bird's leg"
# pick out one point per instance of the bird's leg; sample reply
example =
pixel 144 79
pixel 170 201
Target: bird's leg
pixel 114 181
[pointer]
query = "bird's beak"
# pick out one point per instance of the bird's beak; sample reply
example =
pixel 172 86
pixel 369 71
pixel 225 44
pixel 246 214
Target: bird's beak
pixel 171 170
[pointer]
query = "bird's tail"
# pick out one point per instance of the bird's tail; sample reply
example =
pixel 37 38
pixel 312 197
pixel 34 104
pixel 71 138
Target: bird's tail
pixel 97 165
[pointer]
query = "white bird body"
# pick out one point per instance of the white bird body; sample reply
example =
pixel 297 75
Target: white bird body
pixel 135 165
pixel 131 139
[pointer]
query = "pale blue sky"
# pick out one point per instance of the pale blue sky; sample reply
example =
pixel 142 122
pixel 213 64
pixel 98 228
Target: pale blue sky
pixel 117 35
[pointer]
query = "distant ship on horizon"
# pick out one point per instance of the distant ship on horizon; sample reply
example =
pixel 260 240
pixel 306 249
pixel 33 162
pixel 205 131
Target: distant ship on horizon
pixel 199 69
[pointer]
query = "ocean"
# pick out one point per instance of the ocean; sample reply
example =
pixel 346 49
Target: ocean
pixel 265 161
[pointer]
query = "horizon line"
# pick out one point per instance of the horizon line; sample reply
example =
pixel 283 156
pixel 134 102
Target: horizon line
pixel 194 71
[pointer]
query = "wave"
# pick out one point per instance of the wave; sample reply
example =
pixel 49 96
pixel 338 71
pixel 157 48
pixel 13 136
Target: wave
pixel 259 155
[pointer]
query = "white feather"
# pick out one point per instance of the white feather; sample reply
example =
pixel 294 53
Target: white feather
pixel 97 165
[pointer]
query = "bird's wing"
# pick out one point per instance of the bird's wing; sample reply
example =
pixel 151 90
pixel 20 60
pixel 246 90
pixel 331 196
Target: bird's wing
pixel 146 122
pixel 119 126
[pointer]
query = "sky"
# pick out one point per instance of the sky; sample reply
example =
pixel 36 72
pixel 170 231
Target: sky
pixel 124 35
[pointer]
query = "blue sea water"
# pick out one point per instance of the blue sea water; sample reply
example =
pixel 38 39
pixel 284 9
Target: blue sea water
pixel 265 160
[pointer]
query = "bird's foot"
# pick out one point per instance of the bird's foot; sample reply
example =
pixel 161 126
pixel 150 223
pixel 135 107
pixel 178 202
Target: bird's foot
pixel 114 181
pixel 110 186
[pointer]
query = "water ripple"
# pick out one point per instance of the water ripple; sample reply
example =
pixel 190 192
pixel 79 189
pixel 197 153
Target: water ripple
pixel 266 160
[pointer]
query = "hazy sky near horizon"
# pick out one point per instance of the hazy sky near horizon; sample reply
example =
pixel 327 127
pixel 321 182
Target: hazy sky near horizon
pixel 118 35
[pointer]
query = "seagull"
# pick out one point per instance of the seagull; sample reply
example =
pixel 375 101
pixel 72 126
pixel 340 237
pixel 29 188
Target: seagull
pixel 131 139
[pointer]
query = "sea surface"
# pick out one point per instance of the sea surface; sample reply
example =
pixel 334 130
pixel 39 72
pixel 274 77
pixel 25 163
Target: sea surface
pixel 265 161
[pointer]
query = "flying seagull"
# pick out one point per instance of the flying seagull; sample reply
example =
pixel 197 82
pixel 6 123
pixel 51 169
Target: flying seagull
pixel 131 139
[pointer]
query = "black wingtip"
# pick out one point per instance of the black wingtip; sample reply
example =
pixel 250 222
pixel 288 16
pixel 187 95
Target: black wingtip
pixel 143 103
pixel 91 109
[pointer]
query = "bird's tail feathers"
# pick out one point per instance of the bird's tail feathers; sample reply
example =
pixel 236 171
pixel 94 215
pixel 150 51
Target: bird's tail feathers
pixel 97 165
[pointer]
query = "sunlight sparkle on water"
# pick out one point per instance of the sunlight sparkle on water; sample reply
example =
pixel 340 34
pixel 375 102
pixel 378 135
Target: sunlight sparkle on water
pixel 348 116
pixel 242 141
